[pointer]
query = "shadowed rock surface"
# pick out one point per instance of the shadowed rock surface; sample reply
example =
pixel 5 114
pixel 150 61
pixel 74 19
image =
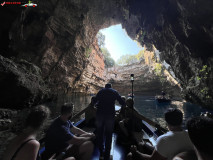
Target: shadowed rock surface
pixel 21 84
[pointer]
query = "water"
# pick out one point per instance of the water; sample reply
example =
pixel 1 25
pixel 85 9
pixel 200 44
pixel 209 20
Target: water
pixel 145 105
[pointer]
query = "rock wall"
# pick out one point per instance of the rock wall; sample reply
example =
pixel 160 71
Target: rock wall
pixel 56 36
pixel 182 32
pixel 145 81
pixel 93 76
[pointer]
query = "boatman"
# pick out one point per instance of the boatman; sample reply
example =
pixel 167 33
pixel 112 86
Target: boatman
pixel 105 115
pixel 62 136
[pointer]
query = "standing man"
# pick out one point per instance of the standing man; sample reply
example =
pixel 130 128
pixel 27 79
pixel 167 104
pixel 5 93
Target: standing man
pixel 105 116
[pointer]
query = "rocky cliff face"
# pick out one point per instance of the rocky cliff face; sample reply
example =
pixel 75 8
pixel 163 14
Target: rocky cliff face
pixel 57 35
pixel 182 32
pixel 93 76
pixel 146 82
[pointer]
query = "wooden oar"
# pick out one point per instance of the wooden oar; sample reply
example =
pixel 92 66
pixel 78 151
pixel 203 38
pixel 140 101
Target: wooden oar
pixel 80 113
pixel 150 122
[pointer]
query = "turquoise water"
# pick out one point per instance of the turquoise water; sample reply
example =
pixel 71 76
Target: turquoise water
pixel 144 104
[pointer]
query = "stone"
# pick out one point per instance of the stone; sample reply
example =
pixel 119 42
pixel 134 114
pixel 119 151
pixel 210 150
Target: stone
pixel 21 85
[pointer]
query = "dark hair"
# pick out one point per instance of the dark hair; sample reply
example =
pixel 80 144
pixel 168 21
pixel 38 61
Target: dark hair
pixel 200 131
pixel 174 117
pixel 67 108
pixel 130 102
pixel 123 98
pixel 37 116
pixel 108 85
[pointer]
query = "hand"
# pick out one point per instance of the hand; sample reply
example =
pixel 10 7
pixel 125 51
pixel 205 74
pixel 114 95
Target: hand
pixel 92 136
pixel 133 149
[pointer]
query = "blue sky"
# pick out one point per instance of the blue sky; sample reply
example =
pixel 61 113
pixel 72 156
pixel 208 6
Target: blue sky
pixel 118 42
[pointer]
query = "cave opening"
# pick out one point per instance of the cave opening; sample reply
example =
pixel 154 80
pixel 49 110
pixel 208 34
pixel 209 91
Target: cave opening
pixel 116 40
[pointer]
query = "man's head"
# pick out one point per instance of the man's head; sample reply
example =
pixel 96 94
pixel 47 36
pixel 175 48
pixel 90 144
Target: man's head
pixel 200 131
pixel 130 102
pixel 67 109
pixel 174 117
pixel 108 85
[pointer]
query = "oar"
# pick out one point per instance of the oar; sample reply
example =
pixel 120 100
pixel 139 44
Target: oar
pixel 150 122
pixel 80 113
pixel 158 126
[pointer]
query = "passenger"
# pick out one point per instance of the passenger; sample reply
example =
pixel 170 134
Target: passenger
pixel 200 132
pixel 62 136
pixel 163 95
pixel 169 144
pixel 131 124
pixel 105 116
pixel 25 146
pixel 121 112
pixel 91 113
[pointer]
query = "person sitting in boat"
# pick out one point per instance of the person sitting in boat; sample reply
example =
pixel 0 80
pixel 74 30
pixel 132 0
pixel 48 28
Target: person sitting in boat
pixel 200 132
pixel 63 136
pixel 120 113
pixel 25 146
pixel 131 124
pixel 91 113
pixel 163 94
pixel 130 94
pixel 168 145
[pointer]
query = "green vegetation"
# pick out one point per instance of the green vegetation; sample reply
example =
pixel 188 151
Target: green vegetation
pixel 101 40
pixel 203 73
pixel 87 52
pixel 109 62
pixel 129 59
pixel 202 76
pixel 159 71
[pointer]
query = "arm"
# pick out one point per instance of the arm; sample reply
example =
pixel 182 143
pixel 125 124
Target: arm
pixel 78 131
pixel 82 133
pixel 119 99
pixel 78 140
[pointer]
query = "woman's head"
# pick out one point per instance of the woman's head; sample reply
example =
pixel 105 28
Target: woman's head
pixel 37 116
pixel 123 98
pixel 130 102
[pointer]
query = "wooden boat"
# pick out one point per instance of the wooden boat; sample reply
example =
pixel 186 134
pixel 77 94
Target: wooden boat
pixel 119 151
pixel 162 101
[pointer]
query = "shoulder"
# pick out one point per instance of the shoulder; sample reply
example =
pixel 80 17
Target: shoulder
pixel 30 150
pixel 163 138
pixel 33 144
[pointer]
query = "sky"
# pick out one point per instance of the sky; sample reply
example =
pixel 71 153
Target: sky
pixel 118 42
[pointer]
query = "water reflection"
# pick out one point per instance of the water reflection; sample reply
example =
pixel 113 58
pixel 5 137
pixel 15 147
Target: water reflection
pixel 144 104
pixel 80 102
